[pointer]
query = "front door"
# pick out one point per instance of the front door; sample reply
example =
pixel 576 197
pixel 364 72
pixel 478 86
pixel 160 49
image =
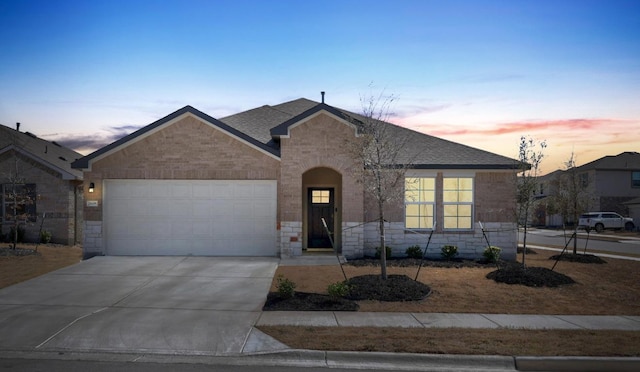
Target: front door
pixel 320 205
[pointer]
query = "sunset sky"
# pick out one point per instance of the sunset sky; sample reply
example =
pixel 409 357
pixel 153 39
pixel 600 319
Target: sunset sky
pixel 482 73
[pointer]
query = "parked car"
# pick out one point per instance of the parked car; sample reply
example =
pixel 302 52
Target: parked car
pixel 605 220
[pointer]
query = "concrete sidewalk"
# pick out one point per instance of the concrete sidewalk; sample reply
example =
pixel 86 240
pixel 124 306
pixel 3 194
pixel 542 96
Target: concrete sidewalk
pixel 449 320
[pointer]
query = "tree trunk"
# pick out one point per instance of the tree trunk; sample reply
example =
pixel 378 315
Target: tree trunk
pixel 383 245
pixel 524 245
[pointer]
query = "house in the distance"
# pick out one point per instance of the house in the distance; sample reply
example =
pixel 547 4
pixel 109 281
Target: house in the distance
pixel 48 190
pixel 260 181
pixel 610 184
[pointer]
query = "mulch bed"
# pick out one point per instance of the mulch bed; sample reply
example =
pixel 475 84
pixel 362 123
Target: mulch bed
pixel 581 258
pixel 395 288
pixel 303 301
pixel 364 287
pixel 516 273
pixel 414 262
pixel 18 252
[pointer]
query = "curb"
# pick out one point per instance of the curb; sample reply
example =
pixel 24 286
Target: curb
pixel 355 360
pixel 581 364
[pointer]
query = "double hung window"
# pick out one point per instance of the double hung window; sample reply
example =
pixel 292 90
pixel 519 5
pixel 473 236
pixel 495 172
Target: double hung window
pixel 420 199
pixel 457 200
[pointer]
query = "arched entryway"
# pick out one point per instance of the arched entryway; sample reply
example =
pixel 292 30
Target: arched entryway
pixel 322 198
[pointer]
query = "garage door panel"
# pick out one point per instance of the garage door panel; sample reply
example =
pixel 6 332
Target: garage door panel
pixel 197 217
pixel 202 192
pixel 201 228
pixel 222 190
pixel 158 190
pixel 159 228
pixel 181 191
pixel 203 209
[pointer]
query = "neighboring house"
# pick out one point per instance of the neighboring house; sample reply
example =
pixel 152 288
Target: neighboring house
pixel 634 211
pixel 49 191
pixel 258 182
pixel 609 183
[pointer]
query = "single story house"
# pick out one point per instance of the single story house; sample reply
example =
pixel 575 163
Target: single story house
pixel 259 182
pixel 39 188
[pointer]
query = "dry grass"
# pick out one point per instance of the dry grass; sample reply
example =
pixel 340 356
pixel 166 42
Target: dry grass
pixel 52 257
pixel 608 289
pixel 460 341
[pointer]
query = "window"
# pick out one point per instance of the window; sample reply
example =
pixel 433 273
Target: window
pixel 420 198
pixel 635 179
pixel 19 200
pixel 320 196
pixel 457 197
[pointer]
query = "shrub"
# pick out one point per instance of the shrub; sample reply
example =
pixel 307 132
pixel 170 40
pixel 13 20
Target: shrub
pixel 338 289
pixel 388 251
pixel 449 252
pixel 414 252
pixel 286 287
pixel 492 253
pixel 45 236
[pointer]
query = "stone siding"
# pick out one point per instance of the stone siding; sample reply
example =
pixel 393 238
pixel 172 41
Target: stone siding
pixel 470 244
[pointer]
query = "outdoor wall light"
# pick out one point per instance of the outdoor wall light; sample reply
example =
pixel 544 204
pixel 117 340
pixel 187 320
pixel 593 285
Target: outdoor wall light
pixel 92 187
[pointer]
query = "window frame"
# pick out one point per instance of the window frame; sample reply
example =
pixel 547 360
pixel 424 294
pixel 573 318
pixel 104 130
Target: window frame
pixel 420 203
pixel 29 193
pixel 458 203
pixel 635 179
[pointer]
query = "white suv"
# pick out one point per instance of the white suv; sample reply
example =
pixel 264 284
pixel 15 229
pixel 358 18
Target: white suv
pixel 605 220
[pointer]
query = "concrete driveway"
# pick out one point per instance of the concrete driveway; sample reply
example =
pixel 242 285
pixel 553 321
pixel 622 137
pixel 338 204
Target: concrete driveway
pixel 183 305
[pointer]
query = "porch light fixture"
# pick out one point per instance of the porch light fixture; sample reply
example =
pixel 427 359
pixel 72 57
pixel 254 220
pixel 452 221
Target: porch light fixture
pixel 92 187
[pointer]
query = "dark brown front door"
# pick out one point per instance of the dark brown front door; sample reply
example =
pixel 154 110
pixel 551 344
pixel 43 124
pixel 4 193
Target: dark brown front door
pixel 320 205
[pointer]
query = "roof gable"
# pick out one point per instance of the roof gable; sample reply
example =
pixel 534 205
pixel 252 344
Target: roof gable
pixel 50 154
pixel 283 129
pixel 85 162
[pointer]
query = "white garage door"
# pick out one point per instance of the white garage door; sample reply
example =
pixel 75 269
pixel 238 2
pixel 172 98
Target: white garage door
pixel 188 217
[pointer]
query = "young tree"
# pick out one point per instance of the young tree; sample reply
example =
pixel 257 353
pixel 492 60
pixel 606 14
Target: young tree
pixel 16 193
pixel 572 197
pixel 381 161
pixel 530 156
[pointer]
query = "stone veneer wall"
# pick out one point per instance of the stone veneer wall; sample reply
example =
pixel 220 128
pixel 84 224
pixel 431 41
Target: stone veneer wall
pixel 352 239
pixel 470 244
pixel 290 238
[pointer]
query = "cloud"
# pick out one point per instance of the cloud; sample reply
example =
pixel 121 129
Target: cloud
pixel 575 126
pixel 86 143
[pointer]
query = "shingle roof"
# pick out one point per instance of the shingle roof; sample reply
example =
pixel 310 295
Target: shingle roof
pixel 49 154
pixel 262 126
pixel 424 151
pixel 623 161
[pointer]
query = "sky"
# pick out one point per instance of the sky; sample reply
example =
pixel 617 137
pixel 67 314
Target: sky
pixel 479 72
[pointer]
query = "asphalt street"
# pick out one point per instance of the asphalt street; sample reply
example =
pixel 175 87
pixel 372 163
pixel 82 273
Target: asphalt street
pixel 605 242
pixel 97 366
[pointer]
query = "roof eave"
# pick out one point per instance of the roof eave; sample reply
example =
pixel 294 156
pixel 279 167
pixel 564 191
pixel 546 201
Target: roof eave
pixel 466 166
